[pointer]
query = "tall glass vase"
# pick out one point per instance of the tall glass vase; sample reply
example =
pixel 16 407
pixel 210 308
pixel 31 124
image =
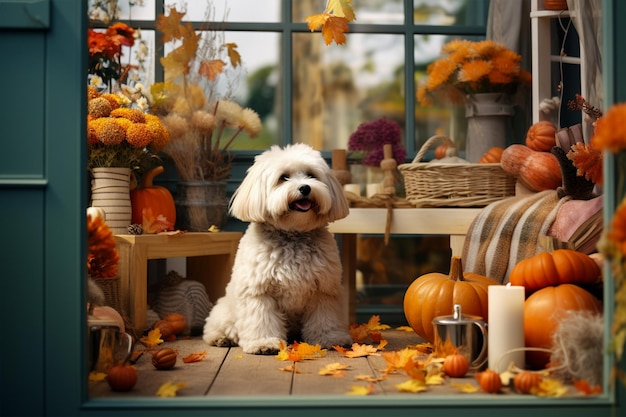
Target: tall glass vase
pixel 110 190
pixel 200 205
pixel 488 123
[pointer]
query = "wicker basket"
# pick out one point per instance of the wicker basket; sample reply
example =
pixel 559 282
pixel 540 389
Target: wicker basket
pixel 454 184
pixel 110 288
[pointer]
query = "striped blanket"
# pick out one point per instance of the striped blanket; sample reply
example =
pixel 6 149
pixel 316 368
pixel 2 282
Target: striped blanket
pixel 508 231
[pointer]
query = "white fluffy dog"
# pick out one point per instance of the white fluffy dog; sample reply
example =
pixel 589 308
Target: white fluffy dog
pixel 286 279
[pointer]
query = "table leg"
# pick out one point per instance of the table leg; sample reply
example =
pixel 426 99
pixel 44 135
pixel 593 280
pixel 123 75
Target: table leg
pixel 138 287
pixel 348 262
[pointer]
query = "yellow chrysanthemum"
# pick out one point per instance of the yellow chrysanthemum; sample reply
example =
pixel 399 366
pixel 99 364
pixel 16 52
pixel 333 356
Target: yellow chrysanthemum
pixel 138 135
pixel 134 115
pixel 99 107
pixel 113 99
pixel 474 71
pixel 610 131
pixel 108 131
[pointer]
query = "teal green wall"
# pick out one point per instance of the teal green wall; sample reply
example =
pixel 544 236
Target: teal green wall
pixel 42 207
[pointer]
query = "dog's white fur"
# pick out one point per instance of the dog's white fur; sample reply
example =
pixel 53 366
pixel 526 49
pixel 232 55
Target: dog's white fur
pixel 286 277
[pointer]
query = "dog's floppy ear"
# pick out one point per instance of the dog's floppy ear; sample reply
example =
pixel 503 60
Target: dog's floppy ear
pixel 340 207
pixel 249 199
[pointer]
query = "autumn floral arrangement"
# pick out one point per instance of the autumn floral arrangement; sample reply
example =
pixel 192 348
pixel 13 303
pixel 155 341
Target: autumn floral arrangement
pixel 370 137
pixel 202 126
pixel 105 54
pixel 468 67
pixel 119 135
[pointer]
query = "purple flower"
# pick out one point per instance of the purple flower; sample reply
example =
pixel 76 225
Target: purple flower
pixel 370 137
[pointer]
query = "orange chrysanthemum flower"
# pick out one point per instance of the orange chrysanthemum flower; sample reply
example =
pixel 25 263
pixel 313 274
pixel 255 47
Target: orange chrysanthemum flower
pixel 138 135
pixel 108 131
pixel 439 72
pixel 102 255
pixel 474 71
pixel 588 162
pixel 610 130
pixel 134 115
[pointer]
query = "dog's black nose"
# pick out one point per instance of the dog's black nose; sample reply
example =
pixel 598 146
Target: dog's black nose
pixel 305 190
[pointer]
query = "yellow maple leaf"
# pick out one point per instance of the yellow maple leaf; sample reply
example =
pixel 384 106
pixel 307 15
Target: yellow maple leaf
pixel 412 385
pixel 97 376
pixel 434 379
pixel 211 69
pixel 357 350
pixel 195 357
pixel 341 8
pixel 233 54
pixel 153 338
pixel 154 224
pixel 299 351
pixel 398 359
pixel 369 378
pixel 333 369
pixel 315 21
pixel 361 390
pixel 169 389
pixel 214 229
pixel 467 388
pixel 549 387
pixel 405 329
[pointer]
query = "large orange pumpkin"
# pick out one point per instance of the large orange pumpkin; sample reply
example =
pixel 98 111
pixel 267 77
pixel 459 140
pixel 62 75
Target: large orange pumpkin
pixel 435 294
pixel 562 266
pixel 541 136
pixel 536 170
pixel 542 311
pixel 154 197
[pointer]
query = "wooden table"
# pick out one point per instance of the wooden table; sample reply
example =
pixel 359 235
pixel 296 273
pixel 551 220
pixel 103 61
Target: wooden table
pixel 453 222
pixel 210 258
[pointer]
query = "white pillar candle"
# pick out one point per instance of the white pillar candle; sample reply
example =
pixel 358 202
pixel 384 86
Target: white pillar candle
pixel 353 188
pixel 506 326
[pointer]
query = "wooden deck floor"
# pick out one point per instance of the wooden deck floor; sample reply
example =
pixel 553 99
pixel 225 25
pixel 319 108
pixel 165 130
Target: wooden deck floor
pixel 229 372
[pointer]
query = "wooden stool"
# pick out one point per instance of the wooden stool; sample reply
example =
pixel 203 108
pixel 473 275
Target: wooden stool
pixel 210 258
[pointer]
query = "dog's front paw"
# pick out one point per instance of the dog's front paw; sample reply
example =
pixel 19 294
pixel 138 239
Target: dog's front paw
pixel 267 346
pixel 337 338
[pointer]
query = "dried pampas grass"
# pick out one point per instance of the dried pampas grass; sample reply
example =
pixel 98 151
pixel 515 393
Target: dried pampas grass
pixel 577 353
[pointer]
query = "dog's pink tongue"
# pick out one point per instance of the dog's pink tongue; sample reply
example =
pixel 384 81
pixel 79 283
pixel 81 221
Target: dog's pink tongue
pixel 303 204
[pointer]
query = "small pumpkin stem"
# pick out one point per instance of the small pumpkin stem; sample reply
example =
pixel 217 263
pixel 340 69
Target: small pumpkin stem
pixel 148 177
pixel 456 269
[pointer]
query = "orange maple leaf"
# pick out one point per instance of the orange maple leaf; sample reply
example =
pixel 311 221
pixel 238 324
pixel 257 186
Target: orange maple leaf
pixel 315 21
pixel 357 350
pixel 233 54
pixel 152 224
pixel 170 25
pixel 195 357
pixel 584 387
pixel 297 352
pixel 211 69
pixel 334 29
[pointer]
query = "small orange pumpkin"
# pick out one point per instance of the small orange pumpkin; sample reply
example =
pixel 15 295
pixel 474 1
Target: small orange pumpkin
pixel 542 310
pixel 525 381
pixel 435 294
pixel 122 377
pixel 177 321
pixel 541 136
pixel 492 156
pixel 489 381
pixel 154 197
pixel 164 358
pixel 440 151
pixel 562 266
pixel 456 365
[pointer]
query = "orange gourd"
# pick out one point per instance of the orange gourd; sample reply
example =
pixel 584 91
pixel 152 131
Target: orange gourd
pixel 456 365
pixel 122 377
pixel 492 156
pixel 434 294
pixel 542 311
pixel 177 321
pixel 525 381
pixel 537 171
pixel 440 151
pixel 154 197
pixel 562 266
pixel 541 136
pixel 489 381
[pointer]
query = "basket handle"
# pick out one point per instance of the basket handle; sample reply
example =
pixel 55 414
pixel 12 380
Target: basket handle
pixel 446 141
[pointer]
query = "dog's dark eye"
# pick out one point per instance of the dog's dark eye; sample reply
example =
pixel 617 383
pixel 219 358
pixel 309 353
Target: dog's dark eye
pixel 284 178
pixel 311 175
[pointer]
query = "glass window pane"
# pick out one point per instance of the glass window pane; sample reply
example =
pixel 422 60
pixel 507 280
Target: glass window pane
pixel 107 10
pixel 367 11
pixel 231 11
pixel 449 12
pixel 336 88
